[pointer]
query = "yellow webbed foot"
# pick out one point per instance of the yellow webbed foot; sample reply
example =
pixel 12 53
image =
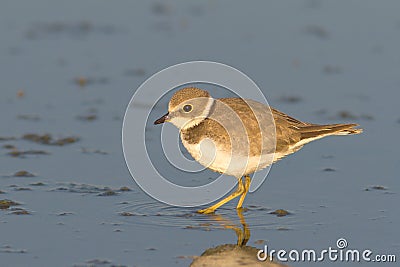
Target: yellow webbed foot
pixel 206 211
pixel 241 189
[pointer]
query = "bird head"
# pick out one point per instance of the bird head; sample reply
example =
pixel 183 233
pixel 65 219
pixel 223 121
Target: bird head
pixel 187 108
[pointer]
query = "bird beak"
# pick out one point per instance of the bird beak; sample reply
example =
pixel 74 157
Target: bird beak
pixel 162 119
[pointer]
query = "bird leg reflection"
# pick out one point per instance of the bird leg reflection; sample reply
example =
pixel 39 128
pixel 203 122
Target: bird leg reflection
pixel 243 234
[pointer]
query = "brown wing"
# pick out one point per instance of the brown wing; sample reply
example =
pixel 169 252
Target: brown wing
pixel 258 121
pixel 292 132
pixel 287 130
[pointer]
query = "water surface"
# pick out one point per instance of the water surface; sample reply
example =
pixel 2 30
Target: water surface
pixel 68 69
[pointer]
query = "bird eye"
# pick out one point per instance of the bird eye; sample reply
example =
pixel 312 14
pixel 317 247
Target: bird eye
pixel 187 108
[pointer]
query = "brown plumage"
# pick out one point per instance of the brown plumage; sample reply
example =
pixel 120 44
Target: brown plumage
pixel 238 136
pixel 293 133
pixel 186 94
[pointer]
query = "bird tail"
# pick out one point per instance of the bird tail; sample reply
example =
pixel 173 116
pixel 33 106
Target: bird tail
pixel 314 131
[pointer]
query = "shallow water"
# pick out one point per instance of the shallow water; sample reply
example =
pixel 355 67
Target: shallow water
pixel 69 69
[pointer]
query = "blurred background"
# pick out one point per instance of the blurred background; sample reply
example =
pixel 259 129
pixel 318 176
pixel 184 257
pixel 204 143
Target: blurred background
pixel 69 68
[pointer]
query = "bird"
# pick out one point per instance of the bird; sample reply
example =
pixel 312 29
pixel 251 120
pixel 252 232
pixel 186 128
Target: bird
pixel 237 137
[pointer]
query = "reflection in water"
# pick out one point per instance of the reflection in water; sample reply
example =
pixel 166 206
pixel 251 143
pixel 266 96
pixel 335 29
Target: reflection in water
pixel 232 255
pixel 145 211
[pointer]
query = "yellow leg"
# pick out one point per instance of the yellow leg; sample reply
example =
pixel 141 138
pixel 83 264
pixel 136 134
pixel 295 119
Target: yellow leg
pixel 235 194
pixel 246 189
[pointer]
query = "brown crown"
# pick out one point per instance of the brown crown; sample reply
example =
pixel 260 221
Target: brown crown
pixel 186 94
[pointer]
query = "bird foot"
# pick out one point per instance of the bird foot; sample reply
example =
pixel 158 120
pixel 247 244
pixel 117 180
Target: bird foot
pixel 206 211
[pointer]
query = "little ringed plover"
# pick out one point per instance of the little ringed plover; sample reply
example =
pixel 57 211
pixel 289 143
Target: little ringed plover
pixel 238 136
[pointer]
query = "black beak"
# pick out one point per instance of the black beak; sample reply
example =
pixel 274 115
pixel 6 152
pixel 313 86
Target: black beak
pixel 162 119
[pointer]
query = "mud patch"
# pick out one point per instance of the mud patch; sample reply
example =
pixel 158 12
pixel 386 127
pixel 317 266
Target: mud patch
pixel 23 174
pixel 47 139
pixel 280 212
pixel 10 249
pixel 89 189
pixel 23 153
pixel 6 203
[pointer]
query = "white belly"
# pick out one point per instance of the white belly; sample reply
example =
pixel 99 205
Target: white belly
pixel 219 159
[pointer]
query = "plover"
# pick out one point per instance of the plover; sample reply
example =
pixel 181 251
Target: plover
pixel 238 136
